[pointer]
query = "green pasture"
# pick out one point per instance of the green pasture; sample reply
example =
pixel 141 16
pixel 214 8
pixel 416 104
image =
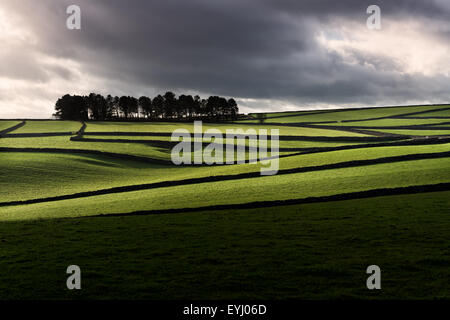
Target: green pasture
pixel 442 113
pixel 286 114
pixel 392 122
pixel 439 126
pixel 7 124
pixel 285 252
pixel 309 251
pixel 40 175
pixel 351 114
pixel 50 126
pixel 278 187
pixel 170 127
pixel 238 141
pixel 63 142
pixel 143 149
pixel 416 132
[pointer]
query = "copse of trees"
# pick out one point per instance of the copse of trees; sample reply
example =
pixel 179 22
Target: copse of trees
pixel 166 107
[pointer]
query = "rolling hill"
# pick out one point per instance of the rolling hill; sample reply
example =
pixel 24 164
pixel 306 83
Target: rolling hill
pixel 355 187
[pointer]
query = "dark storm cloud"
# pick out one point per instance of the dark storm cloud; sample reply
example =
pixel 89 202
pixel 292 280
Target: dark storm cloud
pixel 247 49
pixel 355 7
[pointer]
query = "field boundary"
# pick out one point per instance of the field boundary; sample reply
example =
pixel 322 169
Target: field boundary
pixel 82 129
pixel 369 128
pixel 4 132
pixel 249 175
pixel 37 135
pixel 294 151
pixel 125 156
pixel 383 137
pixel 91 152
pixel 276 203
pixel 381 143
pixel 420 118
pixel 396 116
pixel 410 127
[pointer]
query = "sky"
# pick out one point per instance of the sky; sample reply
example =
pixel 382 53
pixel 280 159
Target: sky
pixel 270 55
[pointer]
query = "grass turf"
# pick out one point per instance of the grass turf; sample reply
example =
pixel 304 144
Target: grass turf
pixel 279 187
pixel 7 124
pixel 65 143
pixel 49 127
pixel 310 251
pixel 436 132
pixel 392 122
pixel 442 113
pixel 38 175
pixel 170 127
pixel 282 143
pixel 355 114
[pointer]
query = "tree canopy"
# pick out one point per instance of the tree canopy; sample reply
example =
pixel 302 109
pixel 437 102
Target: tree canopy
pixel 167 106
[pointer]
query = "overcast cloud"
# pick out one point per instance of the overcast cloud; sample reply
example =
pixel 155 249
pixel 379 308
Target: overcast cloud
pixel 271 55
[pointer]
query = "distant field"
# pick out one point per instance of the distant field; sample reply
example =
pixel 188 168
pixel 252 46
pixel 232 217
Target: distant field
pixel 7 124
pixel 436 132
pixel 443 113
pixel 356 114
pixel 279 187
pixel 283 143
pixel 169 127
pixel 287 114
pixel 49 126
pixel 77 172
pixel 259 248
pixel 393 122
pixel 64 143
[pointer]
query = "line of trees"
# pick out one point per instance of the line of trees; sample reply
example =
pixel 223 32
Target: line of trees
pixel 167 106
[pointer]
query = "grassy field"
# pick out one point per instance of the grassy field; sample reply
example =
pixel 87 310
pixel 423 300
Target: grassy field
pixel 7 124
pixel 144 228
pixel 356 114
pixel 393 122
pixel 77 173
pixel 282 144
pixel 49 126
pixel 311 251
pixel 169 127
pixel 443 113
pixel 63 142
pixel 436 132
pixel 279 187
